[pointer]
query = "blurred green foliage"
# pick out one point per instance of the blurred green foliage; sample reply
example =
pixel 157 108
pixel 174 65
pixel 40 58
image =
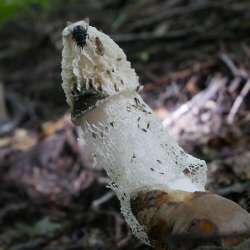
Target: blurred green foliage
pixel 9 8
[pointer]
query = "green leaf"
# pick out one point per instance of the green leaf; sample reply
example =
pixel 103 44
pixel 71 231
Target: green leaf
pixel 9 8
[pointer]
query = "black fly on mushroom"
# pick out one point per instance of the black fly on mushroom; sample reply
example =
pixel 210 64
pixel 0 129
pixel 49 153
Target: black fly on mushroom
pixel 80 34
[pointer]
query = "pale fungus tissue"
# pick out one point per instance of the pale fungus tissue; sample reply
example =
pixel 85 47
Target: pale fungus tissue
pixel 122 131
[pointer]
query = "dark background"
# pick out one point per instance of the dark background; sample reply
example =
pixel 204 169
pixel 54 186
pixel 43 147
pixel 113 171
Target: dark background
pixel 189 54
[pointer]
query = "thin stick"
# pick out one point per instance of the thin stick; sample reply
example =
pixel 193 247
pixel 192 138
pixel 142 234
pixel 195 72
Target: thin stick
pixel 230 64
pixel 197 101
pixel 97 203
pixel 238 102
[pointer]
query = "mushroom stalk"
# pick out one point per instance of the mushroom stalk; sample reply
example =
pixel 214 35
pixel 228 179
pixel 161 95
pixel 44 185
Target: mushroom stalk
pixel 123 133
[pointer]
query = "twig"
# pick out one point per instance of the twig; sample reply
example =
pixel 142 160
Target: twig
pixel 196 102
pixel 105 198
pixel 237 103
pixel 236 72
pixel 124 240
pixel 230 64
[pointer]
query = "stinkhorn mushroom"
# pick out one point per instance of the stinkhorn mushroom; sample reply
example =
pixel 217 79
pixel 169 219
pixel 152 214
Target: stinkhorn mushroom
pixel 160 187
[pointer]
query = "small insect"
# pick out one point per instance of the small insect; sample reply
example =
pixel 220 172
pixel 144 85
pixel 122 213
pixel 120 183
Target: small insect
pixel 133 157
pixel 80 35
pixel 138 122
pixel 137 101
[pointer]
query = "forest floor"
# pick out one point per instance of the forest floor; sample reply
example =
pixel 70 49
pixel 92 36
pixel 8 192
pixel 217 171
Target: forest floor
pixel 193 58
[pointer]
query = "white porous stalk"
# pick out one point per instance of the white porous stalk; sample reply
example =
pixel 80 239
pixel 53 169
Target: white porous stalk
pixel 126 138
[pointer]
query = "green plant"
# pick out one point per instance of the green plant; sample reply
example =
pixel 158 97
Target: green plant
pixel 9 8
